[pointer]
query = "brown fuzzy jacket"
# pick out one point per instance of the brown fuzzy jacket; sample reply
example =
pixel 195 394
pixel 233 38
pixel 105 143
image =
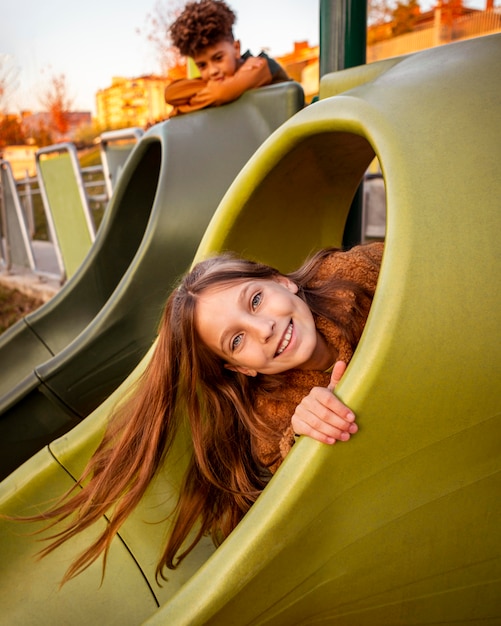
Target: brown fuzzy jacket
pixel 359 265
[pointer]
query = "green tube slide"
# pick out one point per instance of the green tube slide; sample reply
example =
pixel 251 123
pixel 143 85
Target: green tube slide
pixel 59 363
pixel 400 525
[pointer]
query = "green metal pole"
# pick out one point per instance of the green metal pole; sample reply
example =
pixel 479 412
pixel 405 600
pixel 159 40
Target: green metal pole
pixel 343 42
pixel 343 34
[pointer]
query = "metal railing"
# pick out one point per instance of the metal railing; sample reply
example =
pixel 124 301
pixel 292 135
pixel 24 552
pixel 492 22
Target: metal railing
pixel 29 193
pixel 93 176
pixel 26 194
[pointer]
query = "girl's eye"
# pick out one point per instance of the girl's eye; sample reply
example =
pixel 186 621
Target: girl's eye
pixel 256 301
pixel 236 342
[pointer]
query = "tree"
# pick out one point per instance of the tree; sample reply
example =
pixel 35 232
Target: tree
pixel 158 23
pixel 57 103
pixel 11 131
pixel 405 15
pixel 8 79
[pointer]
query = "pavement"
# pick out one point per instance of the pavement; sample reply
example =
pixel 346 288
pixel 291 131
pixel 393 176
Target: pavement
pixel 43 283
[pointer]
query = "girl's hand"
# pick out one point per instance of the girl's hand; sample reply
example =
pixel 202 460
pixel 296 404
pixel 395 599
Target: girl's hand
pixel 322 416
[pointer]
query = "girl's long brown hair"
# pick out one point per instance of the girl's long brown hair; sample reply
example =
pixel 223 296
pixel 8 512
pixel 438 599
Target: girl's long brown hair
pixel 184 378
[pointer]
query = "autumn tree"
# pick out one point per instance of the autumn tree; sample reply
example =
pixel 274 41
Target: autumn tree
pixel 11 131
pixel 157 33
pixel 8 79
pixel 57 103
pixel 405 15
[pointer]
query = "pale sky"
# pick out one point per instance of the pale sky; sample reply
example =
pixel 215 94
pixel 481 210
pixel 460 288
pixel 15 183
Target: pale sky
pixel 92 41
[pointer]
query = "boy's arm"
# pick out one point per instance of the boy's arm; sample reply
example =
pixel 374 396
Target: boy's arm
pixel 180 91
pixel 188 95
pixel 253 73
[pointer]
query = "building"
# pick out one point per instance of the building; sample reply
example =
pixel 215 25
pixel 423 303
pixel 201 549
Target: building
pixel 302 66
pixel 21 159
pixel 132 102
pixel 446 23
pixel 140 101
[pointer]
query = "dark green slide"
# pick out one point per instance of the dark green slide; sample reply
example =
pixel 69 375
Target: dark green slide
pixel 400 525
pixel 61 362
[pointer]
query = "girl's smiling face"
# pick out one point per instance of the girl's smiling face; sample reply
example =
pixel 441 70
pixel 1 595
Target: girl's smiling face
pixel 260 326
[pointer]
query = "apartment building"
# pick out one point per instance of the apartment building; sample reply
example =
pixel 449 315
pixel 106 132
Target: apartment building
pixel 132 102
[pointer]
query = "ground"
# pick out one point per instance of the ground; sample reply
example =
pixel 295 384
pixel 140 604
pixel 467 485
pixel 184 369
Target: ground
pixel 14 305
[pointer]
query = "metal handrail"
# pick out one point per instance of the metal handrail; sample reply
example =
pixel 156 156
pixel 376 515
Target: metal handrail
pixel 27 188
pixel 121 136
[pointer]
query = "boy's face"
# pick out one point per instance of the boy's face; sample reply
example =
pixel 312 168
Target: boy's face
pixel 219 61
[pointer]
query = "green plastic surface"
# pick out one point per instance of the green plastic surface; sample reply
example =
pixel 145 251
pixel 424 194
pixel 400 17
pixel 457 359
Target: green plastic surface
pixel 337 82
pixel 401 525
pixel 29 588
pixel 56 324
pixel 104 320
pixel 66 205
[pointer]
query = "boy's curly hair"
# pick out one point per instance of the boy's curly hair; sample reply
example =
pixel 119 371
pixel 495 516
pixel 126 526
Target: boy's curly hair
pixel 202 24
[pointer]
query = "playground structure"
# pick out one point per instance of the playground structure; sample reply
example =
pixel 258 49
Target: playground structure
pixel 67 357
pixel 67 209
pixel 15 247
pixel 115 147
pixel 401 525
pixel 66 201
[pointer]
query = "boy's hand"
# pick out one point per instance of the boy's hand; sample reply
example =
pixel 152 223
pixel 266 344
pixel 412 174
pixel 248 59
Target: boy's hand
pixel 322 416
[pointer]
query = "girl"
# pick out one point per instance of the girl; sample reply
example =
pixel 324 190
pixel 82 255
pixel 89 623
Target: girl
pixel 245 354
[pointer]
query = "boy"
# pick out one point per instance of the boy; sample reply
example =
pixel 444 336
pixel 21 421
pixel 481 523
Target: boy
pixel 204 32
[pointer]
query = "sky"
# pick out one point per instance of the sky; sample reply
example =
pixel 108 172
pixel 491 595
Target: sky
pixel 92 41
